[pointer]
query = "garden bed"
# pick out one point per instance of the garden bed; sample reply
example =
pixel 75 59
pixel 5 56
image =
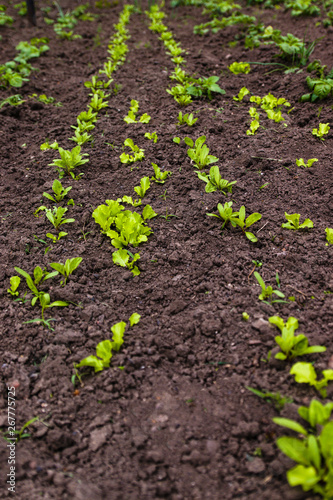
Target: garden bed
pixel 171 417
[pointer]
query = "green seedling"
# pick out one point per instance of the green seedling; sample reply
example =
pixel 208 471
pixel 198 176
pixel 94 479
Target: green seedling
pixel 129 200
pixel 320 87
pixel 329 236
pixel 245 316
pixel 290 344
pixel 186 119
pixel 168 216
pixel 237 218
pixel 241 67
pixel 160 177
pixel 214 181
pixel 323 130
pixel 137 156
pixel 66 269
pixel 56 216
pixel 176 140
pixel 306 374
pixel 204 86
pixel 254 125
pixel 313 455
pixel 88 116
pixel 96 84
pixel 69 161
pixel 4 18
pixel 316 415
pixel 275 398
pixel 80 137
pixel 14 284
pixel 46 145
pixel 131 117
pixel 13 100
pixel 199 154
pixel 143 188
pixel 104 349
pixel 310 162
pixel 45 100
pixel 267 292
pixel 293 222
pixel 152 136
pixel 123 226
pixel 19 433
pixel 83 126
pixel 59 192
pixel 241 94
pixel 97 103
pixel 122 258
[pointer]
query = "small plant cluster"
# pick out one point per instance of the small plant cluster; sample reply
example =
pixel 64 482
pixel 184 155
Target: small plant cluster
pixel 137 153
pixel 187 86
pixel 34 283
pixel 45 100
pixel 65 23
pixel 104 349
pixel 5 18
pixel 131 116
pixel 124 227
pixel 15 73
pixel 321 87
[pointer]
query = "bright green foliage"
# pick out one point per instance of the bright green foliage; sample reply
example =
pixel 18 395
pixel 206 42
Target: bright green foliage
pixel 199 154
pixel 240 67
pixel 81 137
pixel 160 177
pixel 302 8
pixel 329 236
pixel 65 23
pixel 69 161
pixel 254 125
pixel 271 397
pixel 214 181
pixel 59 192
pixel 186 119
pixel 218 24
pixel 54 238
pixel 131 117
pixel 14 284
pixel 313 453
pixel 144 186
pixel 176 140
pixel 40 276
pixel 83 126
pixel 56 216
pixel 267 291
pixel 87 116
pixel 241 94
pixel 96 84
pixel 97 103
pixel 45 100
pixel 306 374
pixel 237 218
pixel 148 213
pixel 293 222
pixel 245 316
pixel 46 145
pixel 291 345
pixel 13 100
pixel 323 130
pixel 152 136
pixel 205 86
pixel 138 154
pixel 310 162
pixel 122 226
pixel 320 88
pixel 122 258
pixel 104 349
pixel 67 268
pixel 129 200
pixel 4 18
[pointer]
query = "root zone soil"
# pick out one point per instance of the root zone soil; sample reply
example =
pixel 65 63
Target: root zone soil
pixel 171 418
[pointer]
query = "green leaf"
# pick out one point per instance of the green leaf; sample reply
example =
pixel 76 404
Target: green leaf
pixel 96 363
pixel 118 332
pixel 304 373
pixel 148 212
pixel 306 477
pixel 120 257
pixel 251 237
pixel 58 303
pixel 326 440
pixel 103 350
pixel 134 319
pixel 294 449
pixel 290 424
pixel 251 219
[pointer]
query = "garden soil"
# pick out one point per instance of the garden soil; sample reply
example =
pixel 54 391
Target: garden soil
pixel 172 417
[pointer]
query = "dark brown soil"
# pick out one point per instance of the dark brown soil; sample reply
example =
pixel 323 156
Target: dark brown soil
pixel 177 422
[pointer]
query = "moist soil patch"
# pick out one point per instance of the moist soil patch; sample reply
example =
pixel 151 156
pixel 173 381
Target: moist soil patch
pixel 171 417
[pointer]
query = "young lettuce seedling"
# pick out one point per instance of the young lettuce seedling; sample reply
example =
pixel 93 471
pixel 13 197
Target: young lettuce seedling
pixel 69 161
pixel 152 136
pixel 312 453
pixel 160 177
pixel 310 162
pixel 14 284
pixel 97 103
pixel 291 345
pixel 241 94
pixel 80 137
pixel 67 268
pixel 293 222
pixel 122 258
pixel 143 188
pixel 215 182
pixel 186 119
pixel 56 216
pixel 241 67
pixel 323 130
pixel 306 374
pixel 137 156
pixel 237 218
pixel 129 200
pixel 104 349
pixel 59 192
pixel 131 117
pixel 199 154
pixel 329 236
pixel 267 292
pixel 46 145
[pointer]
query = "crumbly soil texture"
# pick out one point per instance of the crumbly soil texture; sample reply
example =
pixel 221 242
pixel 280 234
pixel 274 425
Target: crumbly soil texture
pixel 172 417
